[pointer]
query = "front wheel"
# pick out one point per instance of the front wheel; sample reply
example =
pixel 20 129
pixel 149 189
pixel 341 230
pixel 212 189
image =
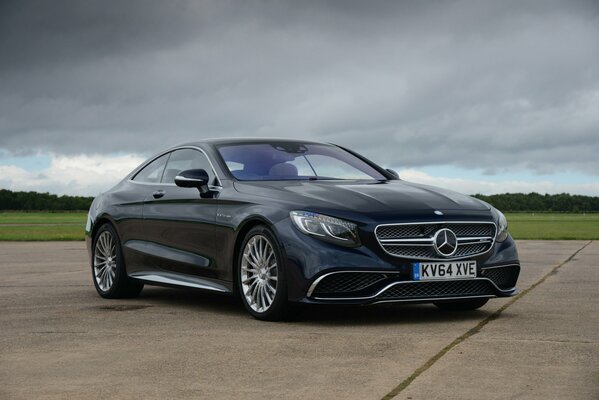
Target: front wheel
pixel 261 276
pixel 462 305
pixel 108 266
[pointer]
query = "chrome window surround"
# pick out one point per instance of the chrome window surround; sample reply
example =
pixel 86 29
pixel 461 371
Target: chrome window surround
pixel 138 170
pixel 428 242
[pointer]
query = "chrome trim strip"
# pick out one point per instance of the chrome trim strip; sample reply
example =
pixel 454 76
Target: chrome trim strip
pixel 506 291
pixel 475 240
pixel 211 187
pixel 409 241
pixel 434 299
pixel 320 278
pixel 439 222
pixel 427 241
pixel 172 281
pixel 418 244
pixel 380 241
pixel 501 266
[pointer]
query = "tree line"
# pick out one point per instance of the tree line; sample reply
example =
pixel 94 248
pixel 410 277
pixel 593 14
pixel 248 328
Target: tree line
pixel 535 202
pixel 508 202
pixel 34 201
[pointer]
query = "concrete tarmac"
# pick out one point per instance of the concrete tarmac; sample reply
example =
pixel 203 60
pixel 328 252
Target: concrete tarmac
pixel 59 339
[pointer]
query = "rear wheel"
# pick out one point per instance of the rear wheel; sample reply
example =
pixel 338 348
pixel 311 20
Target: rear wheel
pixel 261 276
pixel 462 305
pixel 108 266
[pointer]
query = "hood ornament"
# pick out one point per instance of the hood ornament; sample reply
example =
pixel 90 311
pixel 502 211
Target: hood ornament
pixel 437 212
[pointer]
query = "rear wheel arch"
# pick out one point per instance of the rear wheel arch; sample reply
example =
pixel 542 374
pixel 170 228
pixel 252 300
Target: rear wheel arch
pixel 111 256
pixel 100 222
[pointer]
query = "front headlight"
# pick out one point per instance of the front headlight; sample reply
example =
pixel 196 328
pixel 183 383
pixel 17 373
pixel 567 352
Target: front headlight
pixel 502 232
pixel 327 228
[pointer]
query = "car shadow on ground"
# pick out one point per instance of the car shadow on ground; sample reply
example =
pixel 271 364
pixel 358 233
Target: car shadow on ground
pixel 311 314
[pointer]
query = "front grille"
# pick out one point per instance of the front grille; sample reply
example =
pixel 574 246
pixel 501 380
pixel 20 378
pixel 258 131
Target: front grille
pixel 399 231
pixel 348 282
pixel 415 241
pixel 503 277
pixel 465 250
pixel 438 289
pixel 424 252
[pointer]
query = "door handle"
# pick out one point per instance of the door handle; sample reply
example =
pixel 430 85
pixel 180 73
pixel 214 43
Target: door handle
pixel 158 194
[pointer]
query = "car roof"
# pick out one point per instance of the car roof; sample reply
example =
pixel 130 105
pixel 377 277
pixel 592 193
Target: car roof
pixel 245 140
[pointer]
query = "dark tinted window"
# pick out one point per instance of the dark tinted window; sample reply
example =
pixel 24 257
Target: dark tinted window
pixel 294 160
pixel 152 173
pixel 185 159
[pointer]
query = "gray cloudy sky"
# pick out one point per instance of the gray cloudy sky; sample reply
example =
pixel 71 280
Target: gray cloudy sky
pixel 499 87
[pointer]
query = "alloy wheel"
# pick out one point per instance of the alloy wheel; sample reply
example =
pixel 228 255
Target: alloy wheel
pixel 105 261
pixel 259 273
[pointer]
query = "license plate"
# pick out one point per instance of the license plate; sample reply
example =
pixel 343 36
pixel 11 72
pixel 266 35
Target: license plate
pixel 423 271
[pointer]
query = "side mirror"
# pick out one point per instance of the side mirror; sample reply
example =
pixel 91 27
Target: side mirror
pixel 392 172
pixel 193 178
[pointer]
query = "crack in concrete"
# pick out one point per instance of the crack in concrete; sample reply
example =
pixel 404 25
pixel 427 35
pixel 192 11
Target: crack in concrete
pixel 545 341
pixel 473 331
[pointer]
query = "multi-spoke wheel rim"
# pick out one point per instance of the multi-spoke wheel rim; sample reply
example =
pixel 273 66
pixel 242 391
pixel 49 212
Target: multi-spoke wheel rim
pixel 259 273
pixel 105 261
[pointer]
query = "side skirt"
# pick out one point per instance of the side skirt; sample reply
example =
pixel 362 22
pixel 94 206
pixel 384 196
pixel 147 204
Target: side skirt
pixel 170 279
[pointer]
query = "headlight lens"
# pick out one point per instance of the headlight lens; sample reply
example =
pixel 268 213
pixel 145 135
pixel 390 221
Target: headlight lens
pixel 502 232
pixel 327 228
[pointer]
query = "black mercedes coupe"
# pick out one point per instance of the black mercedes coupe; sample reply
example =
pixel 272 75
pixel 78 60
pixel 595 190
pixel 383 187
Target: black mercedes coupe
pixel 278 221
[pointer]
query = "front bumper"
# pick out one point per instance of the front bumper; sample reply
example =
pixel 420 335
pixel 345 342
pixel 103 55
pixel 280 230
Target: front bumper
pixel 369 287
pixel 320 272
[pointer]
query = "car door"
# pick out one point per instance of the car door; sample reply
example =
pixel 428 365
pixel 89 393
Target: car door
pixel 179 224
pixel 130 198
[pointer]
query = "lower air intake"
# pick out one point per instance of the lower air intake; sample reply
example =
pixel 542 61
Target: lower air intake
pixel 438 289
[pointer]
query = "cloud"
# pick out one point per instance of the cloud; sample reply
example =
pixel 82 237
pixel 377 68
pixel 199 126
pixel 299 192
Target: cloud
pixel 86 175
pixel 475 186
pixel 499 86
pixel 89 175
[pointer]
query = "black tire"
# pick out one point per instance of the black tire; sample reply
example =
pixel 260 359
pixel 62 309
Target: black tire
pixel 462 305
pixel 121 285
pixel 279 306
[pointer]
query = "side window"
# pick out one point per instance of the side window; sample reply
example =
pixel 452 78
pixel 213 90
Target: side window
pixel 184 159
pixel 152 173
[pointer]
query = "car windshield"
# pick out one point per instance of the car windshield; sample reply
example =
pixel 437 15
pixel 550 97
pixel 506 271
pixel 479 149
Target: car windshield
pixel 294 161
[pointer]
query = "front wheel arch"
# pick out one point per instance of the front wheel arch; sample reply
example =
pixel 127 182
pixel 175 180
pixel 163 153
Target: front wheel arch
pixel 243 230
pixel 279 306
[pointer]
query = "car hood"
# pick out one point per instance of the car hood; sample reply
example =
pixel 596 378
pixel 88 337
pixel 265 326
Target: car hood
pixel 363 196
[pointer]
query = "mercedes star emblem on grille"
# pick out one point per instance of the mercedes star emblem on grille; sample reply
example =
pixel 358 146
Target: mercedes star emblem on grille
pixel 445 242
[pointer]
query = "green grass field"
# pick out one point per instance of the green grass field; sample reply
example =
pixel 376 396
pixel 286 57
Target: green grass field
pixel 43 226
pixel 60 218
pixel 552 226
